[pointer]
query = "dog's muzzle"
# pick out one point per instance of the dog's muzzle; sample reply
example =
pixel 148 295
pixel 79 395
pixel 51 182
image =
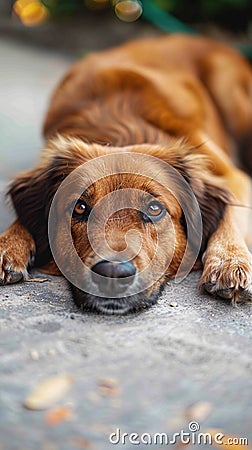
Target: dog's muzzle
pixel 114 281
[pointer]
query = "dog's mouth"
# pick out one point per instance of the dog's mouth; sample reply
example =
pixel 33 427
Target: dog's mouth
pixel 114 306
pixel 111 306
pixel 114 287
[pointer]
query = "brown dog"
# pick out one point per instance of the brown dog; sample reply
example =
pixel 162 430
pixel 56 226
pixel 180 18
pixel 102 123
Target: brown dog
pixel 180 102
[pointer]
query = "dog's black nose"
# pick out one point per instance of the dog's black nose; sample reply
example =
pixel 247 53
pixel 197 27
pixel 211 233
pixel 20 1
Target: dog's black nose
pixel 116 276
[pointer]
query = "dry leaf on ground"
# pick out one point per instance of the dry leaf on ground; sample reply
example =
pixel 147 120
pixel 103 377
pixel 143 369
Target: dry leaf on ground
pixel 48 392
pixel 199 411
pixel 109 387
pixel 58 415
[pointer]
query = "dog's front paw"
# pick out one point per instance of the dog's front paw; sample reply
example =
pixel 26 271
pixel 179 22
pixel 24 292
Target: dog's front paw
pixel 12 268
pixel 16 254
pixel 229 276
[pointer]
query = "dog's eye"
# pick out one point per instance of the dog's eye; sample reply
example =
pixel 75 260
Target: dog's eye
pixel 81 210
pixel 153 211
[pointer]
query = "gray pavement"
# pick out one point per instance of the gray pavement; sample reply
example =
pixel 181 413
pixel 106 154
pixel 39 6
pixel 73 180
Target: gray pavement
pixel 140 373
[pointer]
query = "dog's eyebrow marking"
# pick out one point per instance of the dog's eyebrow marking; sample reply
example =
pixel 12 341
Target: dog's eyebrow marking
pixel 84 197
pixel 153 194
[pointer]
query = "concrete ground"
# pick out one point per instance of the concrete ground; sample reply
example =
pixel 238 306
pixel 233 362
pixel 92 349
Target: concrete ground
pixel 150 372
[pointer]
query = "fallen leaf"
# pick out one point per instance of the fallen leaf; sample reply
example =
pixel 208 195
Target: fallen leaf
pixel 108 386
pixel 58 415
pixel 48 392
pixel 199 411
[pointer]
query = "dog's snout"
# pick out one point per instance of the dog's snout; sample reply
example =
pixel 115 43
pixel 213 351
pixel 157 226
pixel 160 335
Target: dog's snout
pixel 113 276
pixel 114 269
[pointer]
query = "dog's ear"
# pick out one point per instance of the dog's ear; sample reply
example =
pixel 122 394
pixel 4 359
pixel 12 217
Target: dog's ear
pixel 32 192
pixel 213 199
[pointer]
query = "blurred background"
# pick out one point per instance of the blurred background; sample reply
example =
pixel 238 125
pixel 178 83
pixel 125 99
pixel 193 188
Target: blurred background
pixel 40 38
pixel 79 25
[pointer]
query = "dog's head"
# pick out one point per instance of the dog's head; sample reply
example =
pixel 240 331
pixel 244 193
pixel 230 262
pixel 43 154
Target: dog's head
pixel 122 220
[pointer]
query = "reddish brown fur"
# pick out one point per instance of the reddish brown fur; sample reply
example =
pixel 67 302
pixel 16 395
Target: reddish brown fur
pixel 184 100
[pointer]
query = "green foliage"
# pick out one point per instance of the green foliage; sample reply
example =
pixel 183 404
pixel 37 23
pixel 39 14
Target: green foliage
pixel 233 14
pixel 58 7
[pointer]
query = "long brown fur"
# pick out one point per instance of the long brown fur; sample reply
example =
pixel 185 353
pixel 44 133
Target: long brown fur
pixel 184 100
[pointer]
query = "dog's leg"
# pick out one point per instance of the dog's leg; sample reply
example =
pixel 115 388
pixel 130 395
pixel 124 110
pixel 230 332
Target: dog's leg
pixel 17 250
pixel 225 72
pixel 227 261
